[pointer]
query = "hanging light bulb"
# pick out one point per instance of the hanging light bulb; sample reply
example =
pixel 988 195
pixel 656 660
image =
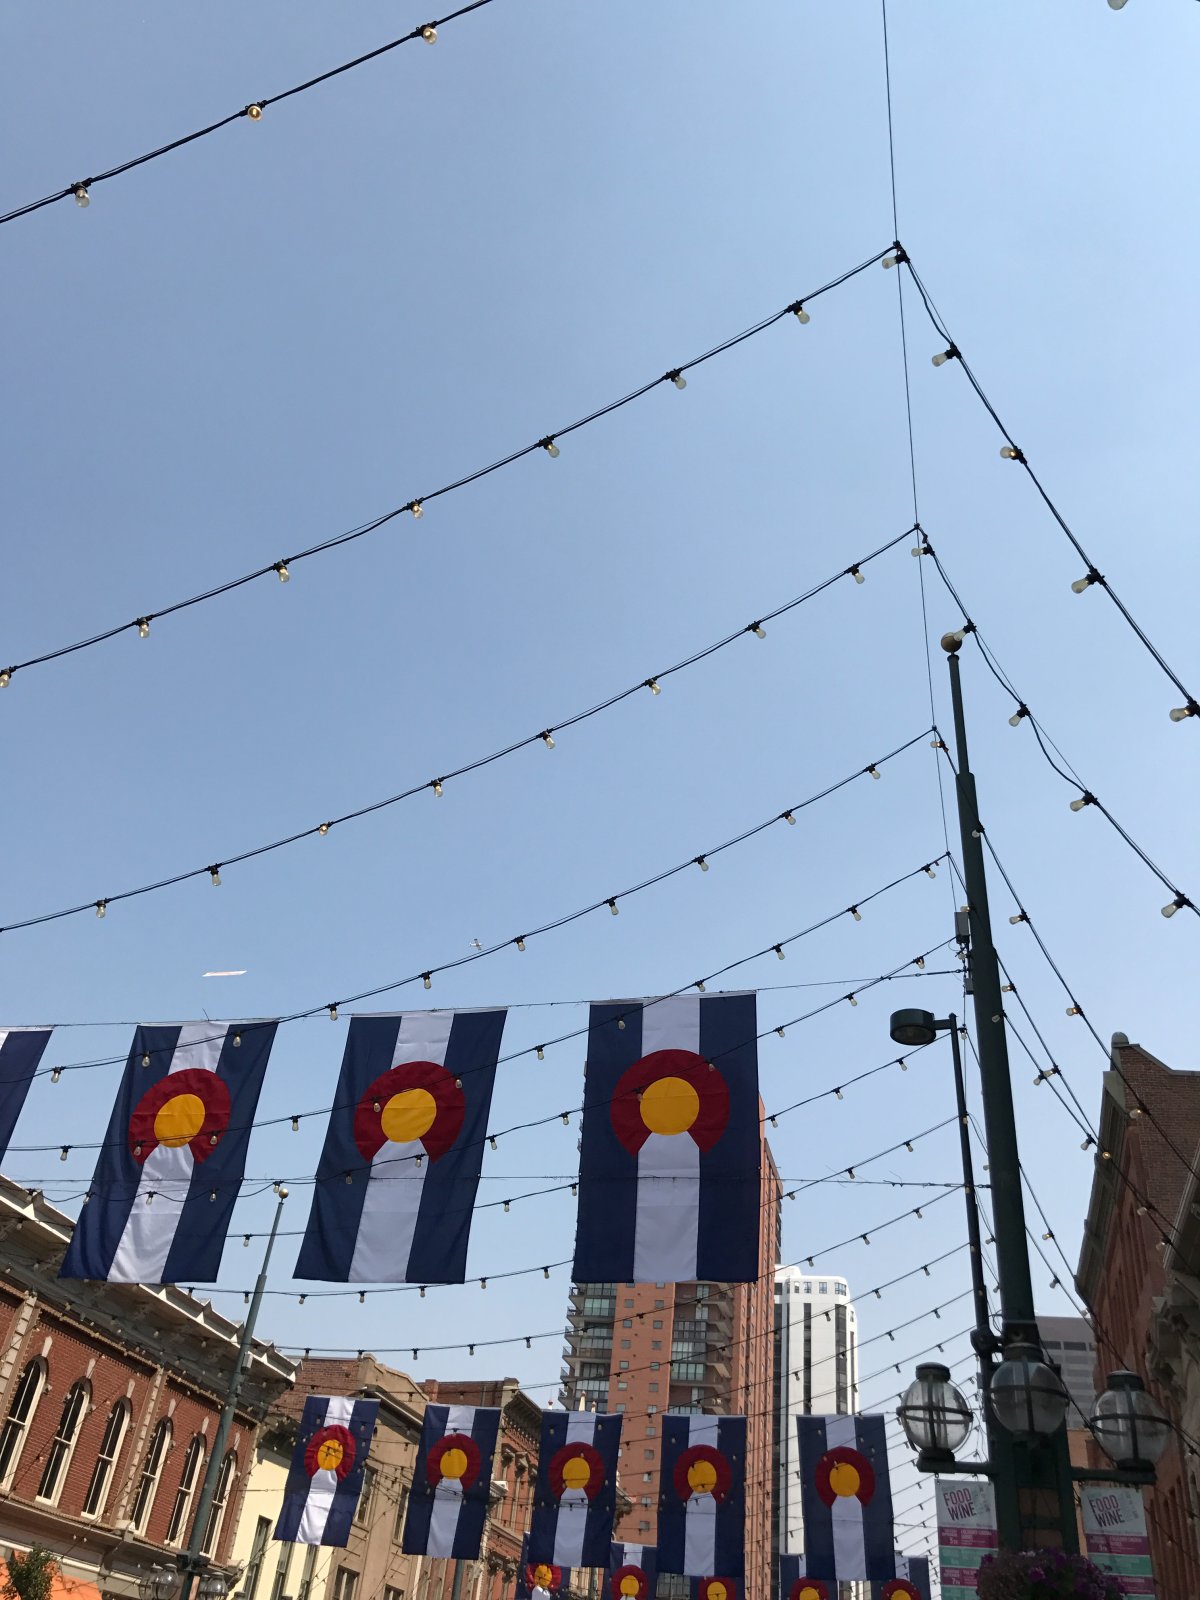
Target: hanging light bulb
pixel 82 198
pixel 779 951
pixel 700 985
pixel 332 1009
pixel 1074 1011
pixel 492 1141
pixel 214 873
pixel 143 627
pixel 653 685
pixel 437 788
pixel 613 907
pixel 678 379
pixel 780 1032
pixel 874 771
pixel 902 1063
pixel 65 1152
pixel 324 828
pixel 856 913
pixel 519 941
pixel 254 112
pixel 427 979
pixel 1018 916
pixel 295 1124
pixel 551 449
pixel 1178 714
pixel 1177 904
pixel 417 509
pixel 541 1052
pixel 1085 799
pixel 483 1283
pixel 948 354
pixel 429 33
pixel 850 1172
pixel 547 738
pixel 101 907
pixel 281 567
pixel 929 870
pixel 837 1094
pixel 237 1041
pixel 790 818
pixel 546 1270
pixel 1009 452
pixel 1090 577
pixel 528 1342
pixel 895 258
pixel 362 1297
pixel 757 629
pixel 853 1001
pixel 800 314
pixel 701 863
pixel 566 1117
pixel 7 672
pixel 857 574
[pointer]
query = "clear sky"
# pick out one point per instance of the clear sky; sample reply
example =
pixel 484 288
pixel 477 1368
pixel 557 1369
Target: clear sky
pixel 283 330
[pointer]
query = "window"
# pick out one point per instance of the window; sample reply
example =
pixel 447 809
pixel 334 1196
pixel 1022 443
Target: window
pixel 622 1384
pixel 839 1288
pixel 362 1512
pixel 656 1324
pixel 620 1407
pixel 822 1288
pixel 216 1514
pixel 110 1445
pixel 647 1477
pixel 279 1582
pixel 656 1344
pixel 653 1390
pixel 658 1305
pixel 401 1508
pixel 629 1305
pixel 62 1447
pixel 306 1576
pixel 258 1549
pixel 627 1322
pixel 655 1365
pixel 189 1477
pixel 16 1424
pixel 152 1466
pixel 345 1585
pixel 626 1344
pixel 390 1593
pixel 646 1500
pixel 647 1455
pixel 808 1285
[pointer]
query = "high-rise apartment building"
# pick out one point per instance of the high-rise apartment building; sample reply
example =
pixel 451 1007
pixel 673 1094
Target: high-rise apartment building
pixel 815 1373
pixel 645 1349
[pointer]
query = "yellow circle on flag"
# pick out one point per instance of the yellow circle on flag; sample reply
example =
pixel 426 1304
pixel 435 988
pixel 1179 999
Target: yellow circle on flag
pixel 629 1585
pixel 454 1462
pixel 329 1454
pixel 179 1120
pixel 717 1590
pixel 844 1479
pixel 576 1472
pixel 542 1575
pixel 669 1105
pixel 702 1477
pixel 809 1593
pixel 408 1115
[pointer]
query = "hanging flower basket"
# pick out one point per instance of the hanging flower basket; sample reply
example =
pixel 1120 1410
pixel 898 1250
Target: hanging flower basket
pixel 1044 1575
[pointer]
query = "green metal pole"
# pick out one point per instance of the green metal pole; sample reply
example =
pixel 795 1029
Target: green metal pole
pixel 192 1562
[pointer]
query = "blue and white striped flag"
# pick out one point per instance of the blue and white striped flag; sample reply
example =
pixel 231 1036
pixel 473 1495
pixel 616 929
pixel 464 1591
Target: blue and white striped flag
pixel 399 1172
pixel 702 1496
pixel 846 1498
pixel 632 1572
pixel 574 1498
pixel 174 1155
pixel 670 1151
pixel 452 1480
pixel 537 1580
pixel 795 1583
pixel 910 1583
pixel 21 1049
pixel 326 1475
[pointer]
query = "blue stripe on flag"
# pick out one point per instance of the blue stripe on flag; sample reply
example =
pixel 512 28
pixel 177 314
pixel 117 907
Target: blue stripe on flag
pixel 729 1546
pixel 450 1182
pixel 299 1484
pixel 604 1437
pixel 787 1574
pixel 198 1226
pixel 818 1523
pixel 729 1188
pixel 484 1430
pixel 878 1536
pixel 20 1051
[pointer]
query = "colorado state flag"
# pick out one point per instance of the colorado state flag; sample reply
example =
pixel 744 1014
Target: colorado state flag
pixel 400 1168
pixel 702 1498
pixel 452 1480
pixel 174 1155
pixel 326 1474
pixel 538 1578
pixel 847 1498
pixel 715 1589
pixel 795 1584
pixel 632 1572
pixel 20 1051
pixel 574 1498
pixel 910 1583
pixel 670 1151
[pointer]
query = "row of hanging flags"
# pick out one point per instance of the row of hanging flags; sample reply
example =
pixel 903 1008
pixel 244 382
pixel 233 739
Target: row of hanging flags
pixel 846 1497
pixel 669 1181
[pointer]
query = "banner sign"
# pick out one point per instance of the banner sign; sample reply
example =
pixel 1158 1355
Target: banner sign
pixel 966 1518
pixel 1114 1531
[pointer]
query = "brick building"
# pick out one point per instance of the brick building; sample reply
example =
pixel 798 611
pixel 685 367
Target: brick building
pixel 644 1349
pixel 109 1400
pixel 1123 1274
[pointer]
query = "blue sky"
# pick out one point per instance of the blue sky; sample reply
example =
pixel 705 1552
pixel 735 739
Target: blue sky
pixel 283 330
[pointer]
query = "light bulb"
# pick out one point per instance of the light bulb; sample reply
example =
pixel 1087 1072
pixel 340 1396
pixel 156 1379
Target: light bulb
pixel 857 574
pixel 528 1342
pixel 866 1238
pixel 362 1297
pixel 929 870
pixel 852 1000
pixel 1081 801
pixel 1018 916
pixel 850 1172
pixel 429 33
pixel 700 985
pixel 566 1117
pixel 1176 905
pixel 519 942
pixel 780 1031
pixel 254 112
pixel 237 1042
pixel 837 1093
pixel 1073 1011
pixel 551 449
pixel 678 379
pixel 779 951
pixel 774 1121
pixel 437 788
pixel 856 913
pixel 281 567
pixel 1009 452
pixel 943 356
pixel 82 198
pixel 908 1146
pixel 702 863
pixel 323 829
pixel 653 685
pixel 65 1152
pixel 417 509
pixel 1116 5
pixel 214 873
pixel 1179 714
pixel 6 679
pixel 332 1012
pixel 874 771
pixel 922 549
pixel 143 627
pixel 1018 716
pixel 800 314
pixel 757 629
pixel 427 979
pixel 547 739
pixel 492 1142
pixel 613 907
pixel 893 260
pixel 789 818
pixel 902 1064
pixel 101 907
pixel 541 1052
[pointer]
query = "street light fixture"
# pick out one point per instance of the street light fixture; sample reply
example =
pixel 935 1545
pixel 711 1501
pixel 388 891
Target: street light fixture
pixel 913 1028
pixel 213 1586
pixel 1027 1395
pixel 935 1415
pixel 160 1583
pixel 1128 1424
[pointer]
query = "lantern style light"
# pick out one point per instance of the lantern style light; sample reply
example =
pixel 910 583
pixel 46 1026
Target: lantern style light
pixel 913 1028
pixel 934 1413
pixel 1027 1395
pixel 1128 1424
pixel 213 1586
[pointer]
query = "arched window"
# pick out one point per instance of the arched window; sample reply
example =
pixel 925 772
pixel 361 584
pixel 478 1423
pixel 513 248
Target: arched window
pixel 152 1467
pixel 216 1514
pixel 188 1479
pixel 110 1447
pixel 62 1446
pixel 16 1425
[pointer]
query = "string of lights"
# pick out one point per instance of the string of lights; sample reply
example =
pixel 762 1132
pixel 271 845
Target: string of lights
pixel 281 569
pixel 1085 796
pixel 543 737
pixel 854 910
pixel 1011 451
pixel 80 189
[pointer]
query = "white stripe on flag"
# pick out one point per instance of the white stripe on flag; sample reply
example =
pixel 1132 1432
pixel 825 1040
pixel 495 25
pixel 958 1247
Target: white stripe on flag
pixel 149 1232
pixel 448 1495
pixel 571 1523
pixel 395 1183
pixel 668 1190
pixel 324 1483
pixel 846 1513
pixel 700 1511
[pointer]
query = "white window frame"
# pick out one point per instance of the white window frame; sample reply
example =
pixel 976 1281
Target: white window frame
pixel 151 1475
pixel 226 1479
pixel 101 1480
pixel 189 1477
pixel 30 1388
pixel 76 1403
